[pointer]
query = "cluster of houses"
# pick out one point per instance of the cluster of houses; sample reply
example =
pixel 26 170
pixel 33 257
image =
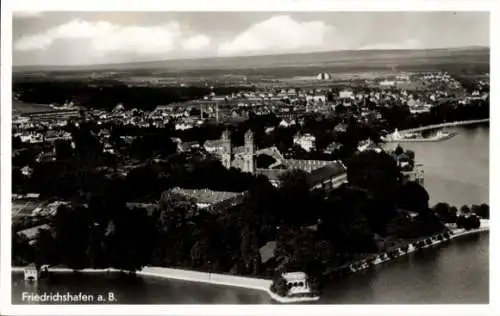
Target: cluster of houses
pixel 435 78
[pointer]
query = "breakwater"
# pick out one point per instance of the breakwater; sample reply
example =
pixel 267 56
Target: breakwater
pixel 443 125
pixel 402 139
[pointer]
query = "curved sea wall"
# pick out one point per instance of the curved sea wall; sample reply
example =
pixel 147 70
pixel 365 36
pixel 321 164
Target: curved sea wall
pixel 179 274
pixel 195 276
pixel 212 278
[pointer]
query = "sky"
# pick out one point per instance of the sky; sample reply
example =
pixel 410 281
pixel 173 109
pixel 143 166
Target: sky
pixel 84 38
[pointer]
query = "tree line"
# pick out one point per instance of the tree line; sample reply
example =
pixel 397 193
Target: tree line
pixel 102 95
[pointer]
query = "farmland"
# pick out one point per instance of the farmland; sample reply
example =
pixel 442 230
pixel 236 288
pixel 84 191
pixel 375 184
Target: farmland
pixel 271 67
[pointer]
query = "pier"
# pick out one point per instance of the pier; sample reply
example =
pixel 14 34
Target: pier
pixel 443 125
pixel 405 135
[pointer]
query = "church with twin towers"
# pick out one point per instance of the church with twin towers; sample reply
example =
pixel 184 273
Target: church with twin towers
pixel 322 173
pixel 242 158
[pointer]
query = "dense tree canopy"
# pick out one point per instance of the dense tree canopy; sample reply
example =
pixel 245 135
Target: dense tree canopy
pixel 413 197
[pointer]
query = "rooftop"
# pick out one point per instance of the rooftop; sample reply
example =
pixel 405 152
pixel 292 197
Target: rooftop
pixel 329 171
pixel 214 143
pixel 267 251
pixel 270 151
pixel 306 165
pixel 207 196
pixel 294 276
pixel 24 207
pixel 30 233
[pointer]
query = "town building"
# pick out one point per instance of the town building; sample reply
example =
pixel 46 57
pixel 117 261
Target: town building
pixel 307 141
pixel 210 200
pixel 346 94
pixel 368 144
pixel 286 122
pixel 387 83
pixel 323 76
pixel 313 98
pixel 332 147
pixel 53 135
pixel 297 283
pixel 31 137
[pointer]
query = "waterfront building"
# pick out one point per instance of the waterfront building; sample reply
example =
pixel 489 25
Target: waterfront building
pixel 416 174
pixel 404 162
pixel 419 109
pixel 297 283
pixel 369 145
pixel 30 273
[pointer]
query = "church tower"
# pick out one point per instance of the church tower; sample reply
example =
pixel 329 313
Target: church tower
pixel 248 156
pixel 226 149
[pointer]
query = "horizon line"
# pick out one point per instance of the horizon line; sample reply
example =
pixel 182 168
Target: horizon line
pixel 111 64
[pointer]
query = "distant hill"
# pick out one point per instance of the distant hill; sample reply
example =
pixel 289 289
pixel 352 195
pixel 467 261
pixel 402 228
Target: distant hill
pixel 462 60
pixel 360 58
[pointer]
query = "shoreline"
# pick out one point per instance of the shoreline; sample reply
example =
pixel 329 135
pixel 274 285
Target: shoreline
pixel 455 233
pixel 195 277
pixel 265 284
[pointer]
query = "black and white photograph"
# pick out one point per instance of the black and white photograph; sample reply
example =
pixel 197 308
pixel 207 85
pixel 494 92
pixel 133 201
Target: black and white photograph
pixel 248 157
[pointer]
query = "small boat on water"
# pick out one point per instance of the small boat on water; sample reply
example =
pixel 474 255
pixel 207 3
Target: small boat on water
pixel 418 137
pixel 442 135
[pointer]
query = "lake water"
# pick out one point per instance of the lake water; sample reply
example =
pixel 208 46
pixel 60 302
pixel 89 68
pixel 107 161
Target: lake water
pixel 456 171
